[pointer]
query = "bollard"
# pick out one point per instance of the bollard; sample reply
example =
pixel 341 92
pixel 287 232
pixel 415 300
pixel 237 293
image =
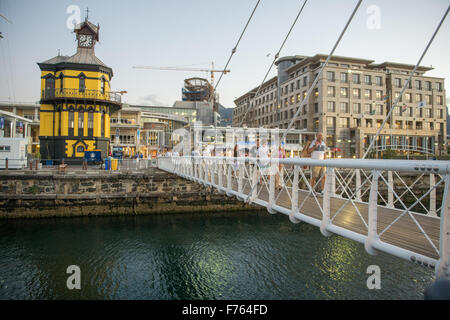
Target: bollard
pixel 6 163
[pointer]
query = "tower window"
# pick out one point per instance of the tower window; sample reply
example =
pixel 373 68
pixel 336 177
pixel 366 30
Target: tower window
pixel 61 82
pixel 80 120
pixel 90 120
pixel 71 119
pixel 102 84
pixel 103 124
pixel 82 86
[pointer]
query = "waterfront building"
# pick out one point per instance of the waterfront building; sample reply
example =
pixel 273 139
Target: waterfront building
pixel 349 103
pixel 28 111
pixel 139 130
pixel 76 100
pixel 15 137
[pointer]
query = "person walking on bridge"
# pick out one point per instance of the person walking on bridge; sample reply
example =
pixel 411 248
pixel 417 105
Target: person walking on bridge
pixel 317 150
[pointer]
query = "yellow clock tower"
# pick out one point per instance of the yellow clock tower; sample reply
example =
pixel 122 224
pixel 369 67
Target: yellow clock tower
pixel 76 101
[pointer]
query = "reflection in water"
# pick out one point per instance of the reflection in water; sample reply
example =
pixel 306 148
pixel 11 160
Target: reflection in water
pixel 194 256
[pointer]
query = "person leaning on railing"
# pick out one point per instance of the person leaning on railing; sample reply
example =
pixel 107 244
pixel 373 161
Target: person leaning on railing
pixel 317 149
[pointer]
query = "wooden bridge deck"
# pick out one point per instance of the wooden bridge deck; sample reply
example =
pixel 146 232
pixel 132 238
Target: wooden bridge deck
pixel 404 233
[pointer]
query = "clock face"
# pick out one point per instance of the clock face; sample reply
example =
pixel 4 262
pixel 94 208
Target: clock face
pixel 85 40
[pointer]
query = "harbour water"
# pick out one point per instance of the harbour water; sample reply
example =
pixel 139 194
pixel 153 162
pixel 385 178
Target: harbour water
pixel 194 256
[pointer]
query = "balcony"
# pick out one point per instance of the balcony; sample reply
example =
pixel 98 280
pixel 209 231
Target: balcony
pixel 87 94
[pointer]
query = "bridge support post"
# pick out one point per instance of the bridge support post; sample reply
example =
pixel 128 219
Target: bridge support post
pixel 443 265
pixel 333 184
pixel 271 194
pixel 432 211
pixel 372 234
pixel 358 185
pixel 254 185
pixel 212 170
pixel 294 196
pixel 220 176
pixel 326 203
pixel 390 190
pixel 229 186
pixel 241 176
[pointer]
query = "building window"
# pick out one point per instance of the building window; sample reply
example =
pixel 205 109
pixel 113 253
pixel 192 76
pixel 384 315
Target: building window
pixel 368 108
pixel 331 91
pixel 356 108
pixel 356 78
pixel 102 85
pixel 378 94
pixel 330 122
pixel 356 93
pixel 378 80
pixel 103 124
pixel 71 119
pixel 439 86
pixel 418 84
pixel 367 79
pixel 82 83
pixel 418 97
pixel 344 107
pixel 80 119
pixel 330 76
pixel 90 120
pixel 61 82
pixel 408 97
pixel 344 92
pixel 439 100
pixel 344 122
pixel 398 82
pixel 368 93
pixel 344 77
pixel 331 106
pixel 428 85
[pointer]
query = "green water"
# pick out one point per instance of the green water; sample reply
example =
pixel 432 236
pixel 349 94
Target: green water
pixel 194 256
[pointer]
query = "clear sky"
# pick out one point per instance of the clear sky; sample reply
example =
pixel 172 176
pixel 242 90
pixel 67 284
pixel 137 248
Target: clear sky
pixel 194 33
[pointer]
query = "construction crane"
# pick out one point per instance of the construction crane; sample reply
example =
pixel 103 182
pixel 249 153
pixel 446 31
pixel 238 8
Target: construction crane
pixel 212 70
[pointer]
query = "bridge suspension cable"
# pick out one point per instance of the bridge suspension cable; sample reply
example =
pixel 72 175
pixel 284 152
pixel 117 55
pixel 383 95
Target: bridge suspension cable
pixel 274 59
pixel 233 51
pixel 405 85
pixel 321 70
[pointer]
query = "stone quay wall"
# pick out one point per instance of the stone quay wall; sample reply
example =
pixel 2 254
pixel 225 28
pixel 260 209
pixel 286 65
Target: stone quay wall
pixel 35 194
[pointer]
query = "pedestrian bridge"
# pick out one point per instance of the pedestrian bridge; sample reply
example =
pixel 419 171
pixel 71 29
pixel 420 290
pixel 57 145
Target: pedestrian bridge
pixel 400 207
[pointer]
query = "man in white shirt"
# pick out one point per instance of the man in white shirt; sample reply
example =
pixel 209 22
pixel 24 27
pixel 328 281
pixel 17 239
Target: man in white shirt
pixel 317 149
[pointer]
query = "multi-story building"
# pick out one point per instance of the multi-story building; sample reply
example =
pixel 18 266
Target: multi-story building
pixel 28 111
pixel 349 104
pixel 138 130
pixel 76 101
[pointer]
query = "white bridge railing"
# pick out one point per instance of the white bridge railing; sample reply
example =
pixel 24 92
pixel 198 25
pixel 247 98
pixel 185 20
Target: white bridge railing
pixel 400 207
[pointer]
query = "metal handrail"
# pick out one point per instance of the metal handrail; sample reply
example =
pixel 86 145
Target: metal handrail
pixel 76 93
pixel 434 166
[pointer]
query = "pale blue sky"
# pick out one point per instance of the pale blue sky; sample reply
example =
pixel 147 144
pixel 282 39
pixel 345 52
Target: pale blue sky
pixel 181 33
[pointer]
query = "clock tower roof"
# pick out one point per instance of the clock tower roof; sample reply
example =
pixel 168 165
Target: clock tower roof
pixel 87 27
